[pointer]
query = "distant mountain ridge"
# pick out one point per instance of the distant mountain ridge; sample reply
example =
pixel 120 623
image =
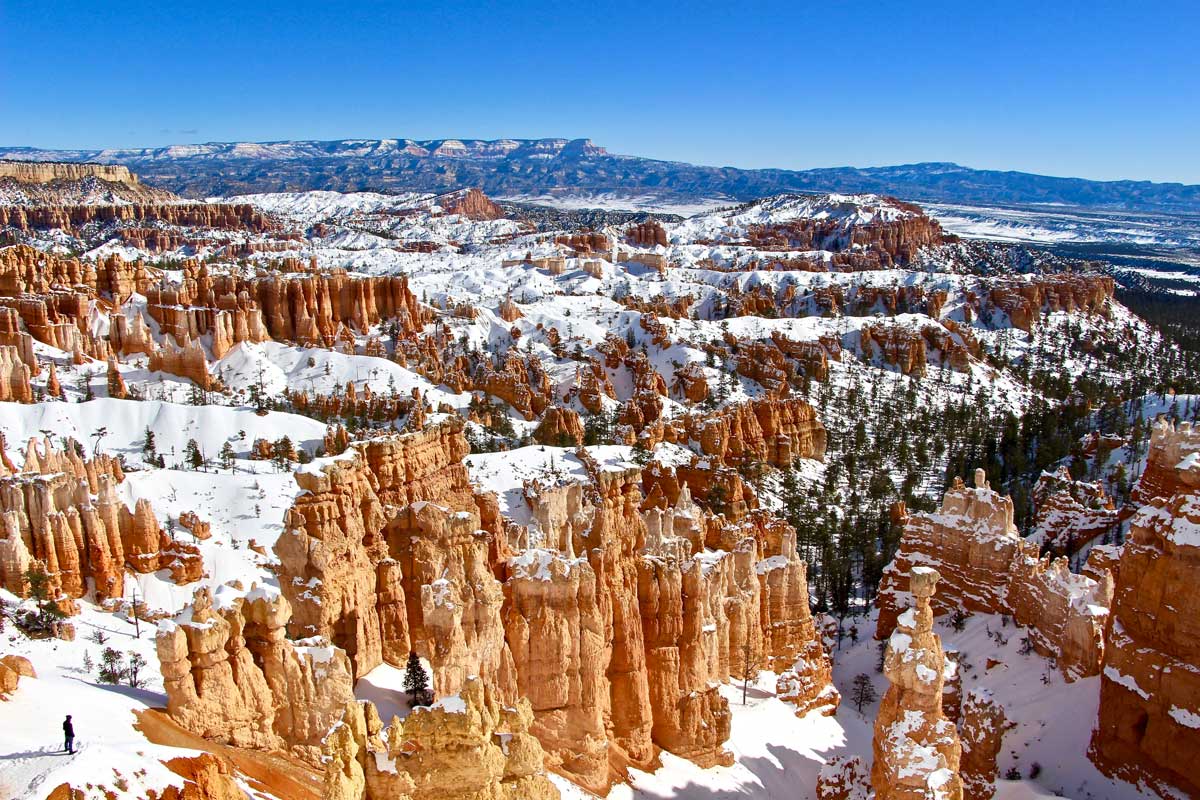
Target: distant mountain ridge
pixel 517 167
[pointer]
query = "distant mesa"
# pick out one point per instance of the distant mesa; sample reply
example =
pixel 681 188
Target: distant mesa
pixel 47 171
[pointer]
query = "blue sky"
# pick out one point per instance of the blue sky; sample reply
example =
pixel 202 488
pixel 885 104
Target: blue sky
pixel 1092 89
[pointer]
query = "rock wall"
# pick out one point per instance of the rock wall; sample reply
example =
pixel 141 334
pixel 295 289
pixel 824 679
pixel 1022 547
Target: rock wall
pixel 62 510
pixel 46 171
pixel 982 727
pixel 222 216
pixel 232 676
pixel 1149 721
pixel 917 750
pixel 987 567
pixel 468 746
pixel 1170 445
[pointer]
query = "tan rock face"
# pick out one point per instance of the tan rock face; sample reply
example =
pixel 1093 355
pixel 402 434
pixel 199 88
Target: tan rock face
pixel 1071 513
pixel 46 171
pixel 988 568
pixel 1149 721
pixel 917 750
pixel 467 747
pixel 1169 445
pixel 982 727
pixel 614 617
pixel 560 427
pixel 14 376
pixel 62 510
pixel 1023 301
pixel 232 676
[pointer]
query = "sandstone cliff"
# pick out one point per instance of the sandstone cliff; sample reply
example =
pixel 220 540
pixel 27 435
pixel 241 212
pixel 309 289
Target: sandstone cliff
pixel 1149 722
pixel 468 746
pixel 62 511
pixel 987 567
pixel 232 676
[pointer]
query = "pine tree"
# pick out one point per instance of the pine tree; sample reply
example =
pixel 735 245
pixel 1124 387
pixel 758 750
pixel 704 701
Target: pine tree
pixel 43 620
pixel 148 446
pixel 227 455
pixel 112 666
pixel 195 458
pixel 136 662
pixel 862 691
pixel 88 664
pixel 416 682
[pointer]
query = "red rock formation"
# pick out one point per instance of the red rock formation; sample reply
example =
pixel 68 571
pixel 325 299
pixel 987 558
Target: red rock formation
pixel 1149 722
pixel 508 310
pixel 647 234
pixel 1170 446
pixel 560 427
pixel 917 750
pixel 472 204
pixel 690 383
pixel 988 568
pixel 878 244
pixel 62 511
pixel 1023 300
pixel 222 216
pixel 899 345
pixel 1070 513
pixel 770 431
pixel 187 362
pixel 231 676
pixel 982 727
pixel 14 376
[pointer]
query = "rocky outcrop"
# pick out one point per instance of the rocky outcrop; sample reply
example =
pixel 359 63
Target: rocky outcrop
pixel 188 361
pixel 1149 723
pixel 468 746
pixel 14 376
pixel 232 676
pixel 917 750
pixel 12 669
pixel 1171 446
pixel 982 727
pixel 987 567
pixel 560 427
pixel 844 778
pixel 773 432
pixel 472 204
pixel 1070 513
pixel 62 511
pixel 1024 300
pixel 335 552
pixel 222 216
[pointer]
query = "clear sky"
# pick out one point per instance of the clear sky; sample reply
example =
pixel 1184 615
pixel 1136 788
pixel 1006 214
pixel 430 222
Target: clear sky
pixel 1092 89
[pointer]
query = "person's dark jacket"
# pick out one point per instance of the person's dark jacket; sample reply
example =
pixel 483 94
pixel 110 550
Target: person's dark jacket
pixel 68 729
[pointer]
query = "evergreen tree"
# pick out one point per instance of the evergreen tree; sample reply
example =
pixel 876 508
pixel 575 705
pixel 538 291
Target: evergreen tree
pixel 112 666
pixel 136 662
pixel 41 621
pixel 416 682
pixel 862 692
pixel 227 455
pixel 193 455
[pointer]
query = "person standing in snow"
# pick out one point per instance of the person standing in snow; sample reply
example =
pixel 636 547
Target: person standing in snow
pixel 68 735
